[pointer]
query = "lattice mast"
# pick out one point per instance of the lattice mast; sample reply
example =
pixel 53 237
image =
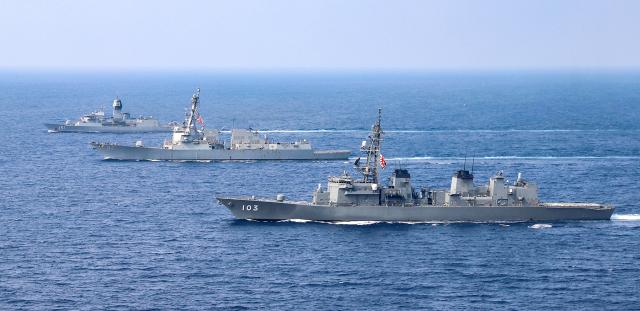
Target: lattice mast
pixel 371 147
pixel 193 114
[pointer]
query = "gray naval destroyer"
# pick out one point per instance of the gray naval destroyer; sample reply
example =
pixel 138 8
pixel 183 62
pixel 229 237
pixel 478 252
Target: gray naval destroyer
pixel 118 122
pixel 190 143
pixel 348 199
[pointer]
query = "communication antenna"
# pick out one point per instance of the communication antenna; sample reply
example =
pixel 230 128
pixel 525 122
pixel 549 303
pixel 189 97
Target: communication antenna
pixel 464 165
pixel 473 162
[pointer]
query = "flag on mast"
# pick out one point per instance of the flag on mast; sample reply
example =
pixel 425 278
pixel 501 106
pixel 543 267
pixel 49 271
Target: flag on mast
pixel 383 163
pixel 200 120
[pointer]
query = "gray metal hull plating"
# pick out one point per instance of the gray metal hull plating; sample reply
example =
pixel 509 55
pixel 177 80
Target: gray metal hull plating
pixel 106 129
pixel 118 152
pixel 246 208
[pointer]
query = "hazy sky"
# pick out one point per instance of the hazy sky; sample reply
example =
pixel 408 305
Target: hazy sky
pixel 319 34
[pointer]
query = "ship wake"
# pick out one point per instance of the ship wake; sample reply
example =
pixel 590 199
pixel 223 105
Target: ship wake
pixel 433 130
pixel 372 222
pixel 540 226
pixel 625 217
pixel 500 158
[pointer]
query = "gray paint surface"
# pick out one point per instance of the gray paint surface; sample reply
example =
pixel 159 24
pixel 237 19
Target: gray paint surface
pixel 119 152
pixel 349 199
pixel 107 129
pixel 190 143
pixel 262 209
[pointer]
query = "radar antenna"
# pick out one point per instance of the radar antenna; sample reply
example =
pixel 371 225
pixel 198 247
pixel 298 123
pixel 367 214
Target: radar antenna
pixel 372 150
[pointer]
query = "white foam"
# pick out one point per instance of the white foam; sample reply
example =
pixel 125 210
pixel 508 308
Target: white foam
pixel 371 222
pixel 303 131
pixel 558 158
pixel 356 223
pixel 540 226
pixel 297 220
pixel 497 158
pixel 413 222
pixel 413 159
pixel 312 131
pixel 432 223
pixel 432 131
pixel 625 217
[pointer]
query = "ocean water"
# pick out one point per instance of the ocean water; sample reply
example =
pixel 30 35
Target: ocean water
pixel 78 232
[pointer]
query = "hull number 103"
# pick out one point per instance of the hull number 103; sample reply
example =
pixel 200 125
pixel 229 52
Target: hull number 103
pixel 250 207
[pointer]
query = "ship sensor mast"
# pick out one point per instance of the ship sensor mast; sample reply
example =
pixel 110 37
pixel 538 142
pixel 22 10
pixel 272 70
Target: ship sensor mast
pixel 195 100
pixel 372 149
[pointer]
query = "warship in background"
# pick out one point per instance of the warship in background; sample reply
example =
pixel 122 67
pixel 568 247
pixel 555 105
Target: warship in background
pixel 190 143
pixel 118 122
pixel 350 199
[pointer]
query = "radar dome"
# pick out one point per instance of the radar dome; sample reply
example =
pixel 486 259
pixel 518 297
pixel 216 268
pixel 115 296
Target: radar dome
pixel 117 104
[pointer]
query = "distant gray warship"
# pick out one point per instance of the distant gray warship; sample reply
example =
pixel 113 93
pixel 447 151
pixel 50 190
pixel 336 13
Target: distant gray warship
pixel 118 122
pixel 189 143
pixel 347 199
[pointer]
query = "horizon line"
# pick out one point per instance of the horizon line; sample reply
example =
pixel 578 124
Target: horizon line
pixel 313 70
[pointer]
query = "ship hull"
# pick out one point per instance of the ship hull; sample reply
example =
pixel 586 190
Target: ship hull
pixel 130 153
pixel 61 128
pixel 244 208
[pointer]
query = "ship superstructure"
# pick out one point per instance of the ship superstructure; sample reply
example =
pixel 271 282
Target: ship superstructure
pixel 118 122
pixel 364 199
pixel 192 143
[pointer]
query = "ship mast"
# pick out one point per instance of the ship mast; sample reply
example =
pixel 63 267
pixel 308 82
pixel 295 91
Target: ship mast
pixel 195 100
pixel 372 150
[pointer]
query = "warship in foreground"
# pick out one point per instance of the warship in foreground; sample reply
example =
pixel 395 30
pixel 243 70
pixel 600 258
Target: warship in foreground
pixel 348 199
pixel 190 143
pixel 118 122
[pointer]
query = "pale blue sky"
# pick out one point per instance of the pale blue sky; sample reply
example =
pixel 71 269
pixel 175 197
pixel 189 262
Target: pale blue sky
pixel 272 35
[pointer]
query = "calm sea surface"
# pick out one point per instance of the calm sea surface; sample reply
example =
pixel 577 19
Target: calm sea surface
pixel 78 232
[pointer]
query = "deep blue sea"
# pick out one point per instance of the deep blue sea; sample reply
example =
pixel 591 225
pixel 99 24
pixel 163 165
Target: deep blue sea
pixel 81 233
